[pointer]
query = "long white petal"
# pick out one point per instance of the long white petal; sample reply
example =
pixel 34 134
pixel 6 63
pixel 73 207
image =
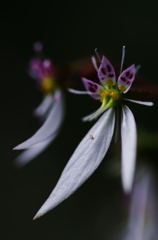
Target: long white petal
pixel 44 106
pixel 83 162
pixel 95 114
pixel 81 92
pixel 140 102
pixel 50 126
pixel 129 143
pixel 29 154
pixel 77 91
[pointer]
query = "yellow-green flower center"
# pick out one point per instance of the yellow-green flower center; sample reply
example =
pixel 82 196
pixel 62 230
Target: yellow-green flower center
pixel 109 93
pixel 47 85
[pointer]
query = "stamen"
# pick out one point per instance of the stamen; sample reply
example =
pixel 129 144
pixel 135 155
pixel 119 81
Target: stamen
pixel 123 57
pixel 97 54
pixel 110 93
pixel 122 88
pixel 109 82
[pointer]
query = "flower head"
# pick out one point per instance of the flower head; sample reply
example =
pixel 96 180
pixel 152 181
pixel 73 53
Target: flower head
pixel 43 71
pixel 50 111
pixel 92 149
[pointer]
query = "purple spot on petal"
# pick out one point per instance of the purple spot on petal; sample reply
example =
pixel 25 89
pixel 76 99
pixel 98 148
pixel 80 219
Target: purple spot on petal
pixel 131 76
pixel 123 79
pixel 90 84
pixel 92 89
pixel 102 78
pixel 111 75
pixel 128 82
pixel 103 71
pixel 108 68
pixel 127 74
pixel 96 87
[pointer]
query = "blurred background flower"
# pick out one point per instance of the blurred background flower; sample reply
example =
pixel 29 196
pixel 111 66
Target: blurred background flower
pixel 50 111
pixel 143 214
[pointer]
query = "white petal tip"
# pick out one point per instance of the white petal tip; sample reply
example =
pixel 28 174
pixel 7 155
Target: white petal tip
pixel 16 148
pixel 127 190
pixel 37 216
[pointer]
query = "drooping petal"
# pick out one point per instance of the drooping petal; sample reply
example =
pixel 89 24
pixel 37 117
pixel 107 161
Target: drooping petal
pixel 50 126
pixel 106 72
pixel 42 109
pixel 142 223
pixel 83 162
pixel 92 88
pixel 126 78
pixel 149 104
pixel 29 154
pixel 129 143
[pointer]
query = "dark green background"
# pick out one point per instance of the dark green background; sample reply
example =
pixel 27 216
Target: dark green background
pixel 69 30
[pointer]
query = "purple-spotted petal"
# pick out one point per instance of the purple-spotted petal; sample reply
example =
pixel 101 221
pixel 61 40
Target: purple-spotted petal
pixel 92 88
pixel 126 78
pixel 106 72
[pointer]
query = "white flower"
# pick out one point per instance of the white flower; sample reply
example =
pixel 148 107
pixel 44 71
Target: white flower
pixel 92 149
pixel 50 111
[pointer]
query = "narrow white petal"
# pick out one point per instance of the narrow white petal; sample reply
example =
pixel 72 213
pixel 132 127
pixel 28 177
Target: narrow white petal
pixel 77 92
pixel 50 126
pixel 83 93
pixel 129 144
pixel 95 114
pixel 140 102
pixel 88 117
pixel 44 106
pixel 86 158
pixel 29 154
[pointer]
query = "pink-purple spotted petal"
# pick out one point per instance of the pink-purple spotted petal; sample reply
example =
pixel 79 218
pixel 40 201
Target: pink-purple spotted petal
pixel 126 78
pixel 92 88
pixel 106 72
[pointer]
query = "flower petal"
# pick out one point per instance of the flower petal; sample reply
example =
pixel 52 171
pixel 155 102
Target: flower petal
pixel 92 88
pixel 77 92
pixel 106 72
pixel 142 223
pixel 129 144
pixel 29 154
pixel 83 162
pixel 42 109
pixel 50 126
pixel 149 104
pixel 126 78
pixel 95 114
